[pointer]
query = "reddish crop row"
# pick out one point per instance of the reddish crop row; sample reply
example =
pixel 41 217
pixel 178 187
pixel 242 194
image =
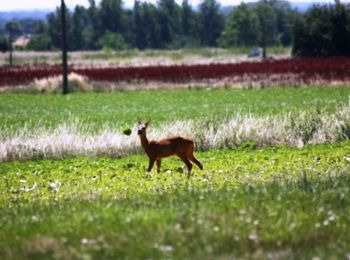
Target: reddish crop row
pixel 308 70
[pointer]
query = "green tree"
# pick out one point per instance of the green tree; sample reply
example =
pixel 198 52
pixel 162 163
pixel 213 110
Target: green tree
pixel 211 22
pixel 284 20
pixel 54 28
pixel 111 16
pixel 114 41
pixel 138 27
pixel 169 21
pixel 324 30
pixel 4 44
pixel 340 20
pixel 241 29
pixel 93 30
pixel 267 25
pixel 189 26
pixel 151 25
pixel 39 42
pixel 78 25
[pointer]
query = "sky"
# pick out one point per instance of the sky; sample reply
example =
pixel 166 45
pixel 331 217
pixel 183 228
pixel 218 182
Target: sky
pixel 9 5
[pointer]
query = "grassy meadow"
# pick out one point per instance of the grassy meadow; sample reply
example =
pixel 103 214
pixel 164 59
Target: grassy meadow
pixel 255 199
pixel 160 106
pixel 133 57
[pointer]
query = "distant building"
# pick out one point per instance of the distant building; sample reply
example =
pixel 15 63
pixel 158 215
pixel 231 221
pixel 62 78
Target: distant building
pixel 22 41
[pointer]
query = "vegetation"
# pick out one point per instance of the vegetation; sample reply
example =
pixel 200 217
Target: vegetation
pixel 281 202
pixel 323 31
pixel 248 202
pixel 165 25
pixel 245 74
pixel 124 108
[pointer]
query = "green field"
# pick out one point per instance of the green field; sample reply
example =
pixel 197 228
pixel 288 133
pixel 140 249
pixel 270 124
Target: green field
pixel 252 202
pixel 120 108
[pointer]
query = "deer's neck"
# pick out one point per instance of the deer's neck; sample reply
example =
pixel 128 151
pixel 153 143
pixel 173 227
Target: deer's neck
pixel 144 141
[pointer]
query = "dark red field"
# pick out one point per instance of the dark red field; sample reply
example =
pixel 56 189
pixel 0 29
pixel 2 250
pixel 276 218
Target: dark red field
pixel 304 71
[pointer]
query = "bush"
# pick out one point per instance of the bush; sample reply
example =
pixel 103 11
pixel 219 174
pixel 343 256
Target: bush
pixel 323 31
pixel 114 41
pixel 39 43
pixel 4 44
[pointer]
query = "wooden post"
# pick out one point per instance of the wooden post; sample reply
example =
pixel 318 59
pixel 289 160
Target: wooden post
pixel 64 49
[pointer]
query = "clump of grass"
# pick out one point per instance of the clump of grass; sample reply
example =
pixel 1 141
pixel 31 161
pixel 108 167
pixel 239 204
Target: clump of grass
pixel 74 138
pixel 54 84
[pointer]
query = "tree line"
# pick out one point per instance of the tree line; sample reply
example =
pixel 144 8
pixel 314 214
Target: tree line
pixel 321 31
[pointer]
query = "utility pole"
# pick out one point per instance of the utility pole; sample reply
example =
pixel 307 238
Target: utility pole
pixel 64 49
pixel 11 47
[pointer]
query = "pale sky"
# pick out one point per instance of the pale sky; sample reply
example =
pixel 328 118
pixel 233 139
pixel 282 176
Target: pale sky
pixel 6 5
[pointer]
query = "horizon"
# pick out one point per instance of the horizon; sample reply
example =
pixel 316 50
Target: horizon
pixel 45 5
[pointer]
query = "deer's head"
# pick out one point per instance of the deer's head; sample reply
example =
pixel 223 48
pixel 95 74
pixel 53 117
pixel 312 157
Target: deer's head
pixel 141 129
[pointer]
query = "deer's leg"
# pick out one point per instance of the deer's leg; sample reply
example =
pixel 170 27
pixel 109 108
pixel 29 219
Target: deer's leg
pixel 188 165
pixel 151 163
pixel 195 160
pixel 159 162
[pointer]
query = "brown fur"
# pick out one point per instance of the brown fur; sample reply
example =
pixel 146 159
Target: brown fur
pixel 177 145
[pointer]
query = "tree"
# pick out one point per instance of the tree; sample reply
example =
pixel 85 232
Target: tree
pixel 241 29
pixel 211 22
pixel 138 27
pixel 39 42
pixel 4 44
pixel 169 21
pixel 93 31
pixel 151 26
pixel 324 30
pixel 111 16
pixel 78 24
pixel 340 20
pixel 267 25
pixel 54 28
pixel 284 19
pixel 189 28
pixel 13 29
pixel 114 41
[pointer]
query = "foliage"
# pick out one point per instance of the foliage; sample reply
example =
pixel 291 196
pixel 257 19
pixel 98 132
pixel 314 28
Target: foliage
pixel 169 21
pixel 165 25
pixel 39 43
pixel 277 202
pixel 30 111
pixel 241 28
pixel 114 41
pixel 211 22
pixel 13 27
pixel 267 25
pixel 292 203
pixel 297 72
pixel 323 31
pixel 4 44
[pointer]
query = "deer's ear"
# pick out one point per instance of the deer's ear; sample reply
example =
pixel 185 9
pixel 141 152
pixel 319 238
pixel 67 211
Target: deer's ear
pixel 146 124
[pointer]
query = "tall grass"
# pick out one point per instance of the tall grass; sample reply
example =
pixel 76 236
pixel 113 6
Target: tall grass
pixel 74 138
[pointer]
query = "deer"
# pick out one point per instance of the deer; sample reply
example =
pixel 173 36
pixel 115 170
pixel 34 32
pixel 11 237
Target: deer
pixel 177 145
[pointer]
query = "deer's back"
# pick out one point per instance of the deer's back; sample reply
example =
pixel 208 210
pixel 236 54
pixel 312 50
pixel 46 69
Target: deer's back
pixel 173 145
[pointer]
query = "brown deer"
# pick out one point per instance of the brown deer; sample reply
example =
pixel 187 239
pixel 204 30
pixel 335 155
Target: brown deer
pixel 177 145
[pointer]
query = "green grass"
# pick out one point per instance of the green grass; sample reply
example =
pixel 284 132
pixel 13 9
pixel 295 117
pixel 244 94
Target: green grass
pixel 181 54
pixel 278 202
pixel 125 108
